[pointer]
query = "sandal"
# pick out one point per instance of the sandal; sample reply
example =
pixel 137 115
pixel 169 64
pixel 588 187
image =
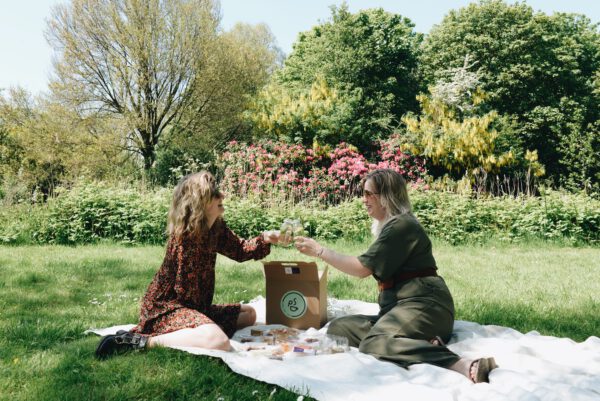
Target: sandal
pixel 482 370
pixel 437 340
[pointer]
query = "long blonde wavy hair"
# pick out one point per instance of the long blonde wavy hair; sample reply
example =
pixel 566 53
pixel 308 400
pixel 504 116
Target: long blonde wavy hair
pixel 192 195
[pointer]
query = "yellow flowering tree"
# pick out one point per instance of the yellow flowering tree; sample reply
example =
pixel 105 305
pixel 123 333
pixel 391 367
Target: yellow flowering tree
pixel 458 133
pixel 317 114
pixel 457 144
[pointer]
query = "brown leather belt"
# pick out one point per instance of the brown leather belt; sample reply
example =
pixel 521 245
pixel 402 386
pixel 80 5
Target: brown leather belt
pixel 387 284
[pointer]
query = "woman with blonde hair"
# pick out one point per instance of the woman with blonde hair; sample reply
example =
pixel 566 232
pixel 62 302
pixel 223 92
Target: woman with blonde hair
pixel 177 309
pixel 416 312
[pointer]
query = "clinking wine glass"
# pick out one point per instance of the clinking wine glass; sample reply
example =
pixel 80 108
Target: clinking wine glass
pixel 289 229
pixel 286 233
pixel 297 228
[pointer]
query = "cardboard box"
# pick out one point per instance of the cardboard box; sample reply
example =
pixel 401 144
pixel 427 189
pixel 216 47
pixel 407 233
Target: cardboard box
pixel 296 294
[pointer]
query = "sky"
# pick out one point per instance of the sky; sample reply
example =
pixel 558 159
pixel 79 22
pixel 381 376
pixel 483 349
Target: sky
pixel 26 57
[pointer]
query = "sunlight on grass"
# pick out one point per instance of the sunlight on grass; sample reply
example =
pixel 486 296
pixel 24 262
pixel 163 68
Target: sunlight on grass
pixel 50 295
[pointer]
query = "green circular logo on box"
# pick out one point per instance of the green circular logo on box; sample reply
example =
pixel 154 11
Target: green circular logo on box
pixel 293 304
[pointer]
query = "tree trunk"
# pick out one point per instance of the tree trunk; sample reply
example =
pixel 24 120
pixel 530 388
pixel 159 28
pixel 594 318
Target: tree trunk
pixel 149 150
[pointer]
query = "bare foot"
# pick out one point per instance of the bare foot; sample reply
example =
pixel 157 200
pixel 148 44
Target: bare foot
pixel 473 371
pixel 437 340
pixel 480 369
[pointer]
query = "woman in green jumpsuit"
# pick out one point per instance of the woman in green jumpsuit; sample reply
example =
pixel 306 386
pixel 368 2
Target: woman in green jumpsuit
pixel 416 314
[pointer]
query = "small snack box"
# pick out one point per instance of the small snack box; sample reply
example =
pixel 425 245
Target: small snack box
pixel 296 294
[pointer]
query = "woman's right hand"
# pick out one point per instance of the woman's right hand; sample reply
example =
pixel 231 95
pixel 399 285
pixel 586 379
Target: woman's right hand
pixel 308 246
pixel 344 263
pixel 272 237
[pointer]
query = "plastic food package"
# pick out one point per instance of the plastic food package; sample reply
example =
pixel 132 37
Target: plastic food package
pixel 290 343
pixel 332 344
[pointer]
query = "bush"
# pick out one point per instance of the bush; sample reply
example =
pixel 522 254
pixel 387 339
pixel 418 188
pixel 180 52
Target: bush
pixel 302 174
pixel 91 212
pixel 94 212
pixel 348 220
pixel 19 222
pixel 555 215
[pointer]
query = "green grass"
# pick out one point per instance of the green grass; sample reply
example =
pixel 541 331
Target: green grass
pixel 49 295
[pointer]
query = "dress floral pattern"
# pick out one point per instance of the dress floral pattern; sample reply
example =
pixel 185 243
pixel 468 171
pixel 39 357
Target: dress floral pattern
pixel 181 293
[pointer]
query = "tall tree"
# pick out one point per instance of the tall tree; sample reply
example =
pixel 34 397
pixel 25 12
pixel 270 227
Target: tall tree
pixel 537 69
pixel 369 58
pixel 240 64
pixel 139 59
pixel 44 145
pixel 458 134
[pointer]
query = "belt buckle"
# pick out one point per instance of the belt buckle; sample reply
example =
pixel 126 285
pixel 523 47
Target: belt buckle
pixel 385 285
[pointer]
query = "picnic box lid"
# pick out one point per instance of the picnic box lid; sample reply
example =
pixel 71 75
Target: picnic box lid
pixel 293 270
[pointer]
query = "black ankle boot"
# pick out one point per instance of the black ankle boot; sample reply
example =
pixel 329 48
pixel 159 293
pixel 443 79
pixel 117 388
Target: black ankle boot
pixel 121 342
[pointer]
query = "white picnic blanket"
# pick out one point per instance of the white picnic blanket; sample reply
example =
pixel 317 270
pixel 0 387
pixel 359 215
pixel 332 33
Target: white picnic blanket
pixel 532 367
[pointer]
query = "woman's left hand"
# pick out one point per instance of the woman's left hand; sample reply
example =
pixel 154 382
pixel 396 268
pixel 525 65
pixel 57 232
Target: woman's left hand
pixel 308 246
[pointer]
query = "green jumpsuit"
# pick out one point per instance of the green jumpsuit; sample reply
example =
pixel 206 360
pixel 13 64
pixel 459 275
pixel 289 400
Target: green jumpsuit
pixel 413 311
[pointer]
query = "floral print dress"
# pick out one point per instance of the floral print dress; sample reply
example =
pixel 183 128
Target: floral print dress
pixel 181 293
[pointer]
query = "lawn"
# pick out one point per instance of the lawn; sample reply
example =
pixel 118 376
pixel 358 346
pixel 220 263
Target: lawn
pixel 49 295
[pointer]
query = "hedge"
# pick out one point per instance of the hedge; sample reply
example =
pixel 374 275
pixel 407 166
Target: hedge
pixel 94 212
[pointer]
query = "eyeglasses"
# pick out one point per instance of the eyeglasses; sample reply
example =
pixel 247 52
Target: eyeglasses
pixel 369 194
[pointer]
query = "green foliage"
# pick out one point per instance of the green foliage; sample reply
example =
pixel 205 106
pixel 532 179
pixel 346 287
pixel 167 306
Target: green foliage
pixel 555 216
pixel 536 68
pixel 581 159
pixel 11 151
pixel 369 58
pixel 348 220
pixel 239 65
pixel 319 113
pixel 91 212
pixel 44 145
pixel 458 144
pixel 19 222
pixel 173 162
pixel 94 212
pixel 558 134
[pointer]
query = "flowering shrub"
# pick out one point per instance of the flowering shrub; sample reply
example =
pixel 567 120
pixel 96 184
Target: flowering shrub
pixel 347 168
pixel 410 167
pixel 266 167
pixel 294 172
